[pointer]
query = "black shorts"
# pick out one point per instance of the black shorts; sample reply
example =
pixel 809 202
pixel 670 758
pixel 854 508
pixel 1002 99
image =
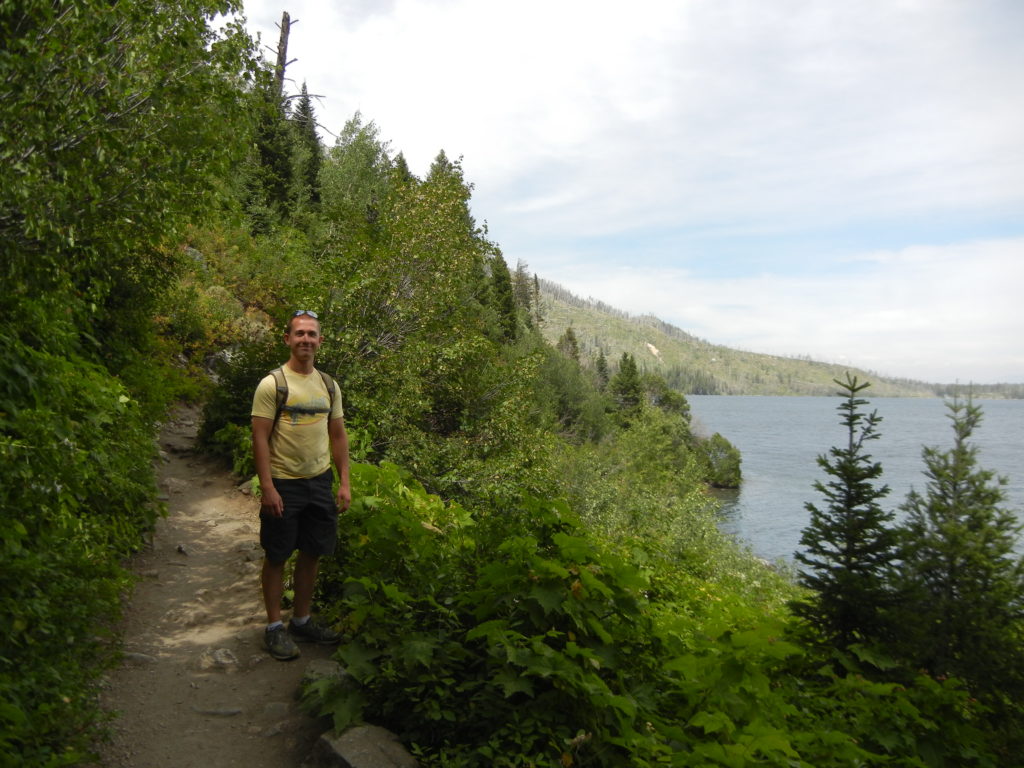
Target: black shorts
pixel 309 523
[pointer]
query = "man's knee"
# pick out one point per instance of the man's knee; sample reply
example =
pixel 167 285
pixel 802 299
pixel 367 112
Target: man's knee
pixel 272 569
pixel 308 557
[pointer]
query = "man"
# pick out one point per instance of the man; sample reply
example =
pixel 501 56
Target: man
pixel 293 452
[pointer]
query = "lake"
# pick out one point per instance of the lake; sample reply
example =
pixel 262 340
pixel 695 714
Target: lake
pixel 781 437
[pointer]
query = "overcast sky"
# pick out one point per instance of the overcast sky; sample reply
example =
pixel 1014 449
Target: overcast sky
pixel 837 179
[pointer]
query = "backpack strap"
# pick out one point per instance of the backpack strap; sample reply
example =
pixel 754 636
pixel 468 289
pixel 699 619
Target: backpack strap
pixel 329 383
pixel 282 395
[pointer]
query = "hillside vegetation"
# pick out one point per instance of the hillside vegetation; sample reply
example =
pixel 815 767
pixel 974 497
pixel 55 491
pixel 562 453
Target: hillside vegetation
pixel 531 573
pixel 691 364
pixel 697 367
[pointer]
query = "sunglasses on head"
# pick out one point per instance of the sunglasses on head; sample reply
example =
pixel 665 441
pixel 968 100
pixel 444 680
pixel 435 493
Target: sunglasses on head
pixel 309 312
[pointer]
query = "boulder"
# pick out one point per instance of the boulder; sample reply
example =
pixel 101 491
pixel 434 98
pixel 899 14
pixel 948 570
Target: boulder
pixel 362 746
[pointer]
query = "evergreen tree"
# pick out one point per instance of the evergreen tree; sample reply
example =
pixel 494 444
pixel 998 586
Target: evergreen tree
pixel 522 287
pixel 503 301
pixel 444 172
pixel 964 585
pixel 538 313
pixel 626 388
pixel 848 547
pixel 568 345
pixel 308 153
pixel 402 169
pixel 268 174
pixel 601 367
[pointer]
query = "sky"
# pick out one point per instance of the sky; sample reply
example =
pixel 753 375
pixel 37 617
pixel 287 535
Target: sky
pixel 843 180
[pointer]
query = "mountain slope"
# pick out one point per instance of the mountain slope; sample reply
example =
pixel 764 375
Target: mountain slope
pixel 692 365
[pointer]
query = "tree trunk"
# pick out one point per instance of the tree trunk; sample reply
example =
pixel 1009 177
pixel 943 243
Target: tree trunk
pixel 282 52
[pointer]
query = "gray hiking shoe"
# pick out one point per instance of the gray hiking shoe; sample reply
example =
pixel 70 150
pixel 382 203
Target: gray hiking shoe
pixel 312 632
pixel 280 644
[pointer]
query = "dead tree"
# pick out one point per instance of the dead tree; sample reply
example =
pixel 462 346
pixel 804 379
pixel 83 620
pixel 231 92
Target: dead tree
pixel 282 52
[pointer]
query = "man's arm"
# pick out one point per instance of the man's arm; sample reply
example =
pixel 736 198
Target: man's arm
pixel 271 501
pixel 339 452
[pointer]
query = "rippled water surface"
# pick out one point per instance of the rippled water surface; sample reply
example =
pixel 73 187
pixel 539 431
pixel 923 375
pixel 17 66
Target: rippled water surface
pixel 780 438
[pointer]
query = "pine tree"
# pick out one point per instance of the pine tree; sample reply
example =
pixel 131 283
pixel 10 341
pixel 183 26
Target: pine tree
pixel 308 153
pixel 402 171
pixel 538 311
pixel 964 585
pixel 568 345
pixel 626 388
pixel 503 301
pixel 849 547
pixel 601 367
pixel 523 290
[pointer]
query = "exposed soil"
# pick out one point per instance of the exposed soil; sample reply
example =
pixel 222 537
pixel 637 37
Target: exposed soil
pixel 196 686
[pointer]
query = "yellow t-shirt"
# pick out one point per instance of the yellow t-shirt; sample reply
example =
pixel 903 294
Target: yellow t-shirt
pixel 299 445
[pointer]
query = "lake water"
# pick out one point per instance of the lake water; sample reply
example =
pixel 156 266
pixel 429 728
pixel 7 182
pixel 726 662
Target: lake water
pixel 781 437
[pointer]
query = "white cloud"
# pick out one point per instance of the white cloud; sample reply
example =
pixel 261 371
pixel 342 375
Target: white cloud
pixel 590 129
pixel 682 111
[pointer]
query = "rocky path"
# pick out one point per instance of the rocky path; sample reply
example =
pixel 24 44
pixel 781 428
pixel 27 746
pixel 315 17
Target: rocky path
pixel 196 686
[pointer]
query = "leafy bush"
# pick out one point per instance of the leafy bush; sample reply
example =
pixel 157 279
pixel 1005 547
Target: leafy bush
pixel 449 644
pixel 114 134
pixel 515 638
pixel 721 461
pixel 231 402
pixel 73 502
pixel 234 443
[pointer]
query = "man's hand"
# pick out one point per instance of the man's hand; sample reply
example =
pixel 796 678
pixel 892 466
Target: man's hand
pixel 344 498
pixel 272 503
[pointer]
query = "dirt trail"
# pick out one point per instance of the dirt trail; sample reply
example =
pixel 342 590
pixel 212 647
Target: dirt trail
pixel 196 686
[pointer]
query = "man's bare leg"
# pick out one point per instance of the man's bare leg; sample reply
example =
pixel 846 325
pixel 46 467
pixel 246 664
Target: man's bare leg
pixel 273 589
pixel 306 569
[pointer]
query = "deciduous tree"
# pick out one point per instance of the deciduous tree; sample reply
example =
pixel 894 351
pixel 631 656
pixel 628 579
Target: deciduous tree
pixel 120 123
pixel 114 121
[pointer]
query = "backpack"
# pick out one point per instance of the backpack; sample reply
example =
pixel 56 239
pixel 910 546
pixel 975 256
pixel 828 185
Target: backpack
pixel 282 392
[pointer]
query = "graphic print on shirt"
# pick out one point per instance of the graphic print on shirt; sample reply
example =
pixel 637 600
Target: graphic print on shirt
pixel 308 411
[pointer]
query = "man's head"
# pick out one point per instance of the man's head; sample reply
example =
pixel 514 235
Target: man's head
pixel 303 336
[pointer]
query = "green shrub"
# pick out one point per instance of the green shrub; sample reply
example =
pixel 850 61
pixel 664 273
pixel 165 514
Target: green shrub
pixel 234 443
pixel 458 621
pixel 237 377
pixel 516 638
pixel 720 460
pixel 73 503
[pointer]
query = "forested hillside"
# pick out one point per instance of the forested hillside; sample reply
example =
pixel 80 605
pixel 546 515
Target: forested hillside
pixel 697 367
pixel 531 573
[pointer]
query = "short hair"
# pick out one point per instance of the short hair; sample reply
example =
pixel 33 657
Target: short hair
pixel 288 325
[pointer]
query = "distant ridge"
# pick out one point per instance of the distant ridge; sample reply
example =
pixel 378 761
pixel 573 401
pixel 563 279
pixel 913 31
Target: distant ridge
pixel 693 365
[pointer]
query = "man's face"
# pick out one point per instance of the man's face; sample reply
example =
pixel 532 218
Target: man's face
pixel 304 337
